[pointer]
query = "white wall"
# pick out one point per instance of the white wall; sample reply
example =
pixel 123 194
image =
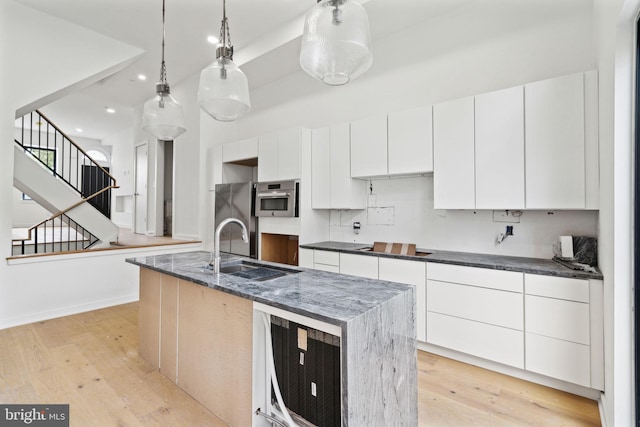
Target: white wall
pixel 122 169
pixel 401 210
pixel 615 45
pixel 74 57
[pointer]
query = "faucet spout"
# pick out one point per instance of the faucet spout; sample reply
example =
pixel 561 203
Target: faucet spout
pixel 216 256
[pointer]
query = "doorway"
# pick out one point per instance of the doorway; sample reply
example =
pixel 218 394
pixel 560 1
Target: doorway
pixel 140 191
pixel 95 179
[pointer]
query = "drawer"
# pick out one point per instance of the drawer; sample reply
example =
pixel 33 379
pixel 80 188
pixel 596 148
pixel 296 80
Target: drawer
pixel 559 359
pixel 359 265
pixel 326 257
pixel 325 267
pixel 566 320
pixel 502 345
pixel 495 279
pixel 479 304
pixel 557 287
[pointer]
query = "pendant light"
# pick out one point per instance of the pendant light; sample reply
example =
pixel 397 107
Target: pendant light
pixel 162 116
pixel 336 43
pixel 224 90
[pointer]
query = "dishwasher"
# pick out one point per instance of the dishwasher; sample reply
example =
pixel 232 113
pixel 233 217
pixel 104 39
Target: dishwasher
pixel 307 365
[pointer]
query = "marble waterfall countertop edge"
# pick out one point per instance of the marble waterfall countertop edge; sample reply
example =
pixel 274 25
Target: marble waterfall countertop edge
pixel 545 267
pixel 331 297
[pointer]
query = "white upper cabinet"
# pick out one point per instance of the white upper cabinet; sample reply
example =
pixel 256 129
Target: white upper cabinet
pixel 527 147
pixel 499 149
pixel 369 147
pixel 555 143
pixel 279 155
pixel 410 141
pixel 398 144
pixel 240 150
pixel 453 154
pixel 332 185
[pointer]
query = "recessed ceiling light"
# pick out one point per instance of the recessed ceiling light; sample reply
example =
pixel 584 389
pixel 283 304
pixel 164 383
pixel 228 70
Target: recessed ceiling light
pixel 213 40
pixel 109 110
pixel 78 130
pixel 142 77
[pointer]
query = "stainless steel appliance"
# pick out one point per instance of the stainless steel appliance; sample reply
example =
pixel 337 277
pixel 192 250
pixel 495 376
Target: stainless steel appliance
pixel 236 201
pixel 277 198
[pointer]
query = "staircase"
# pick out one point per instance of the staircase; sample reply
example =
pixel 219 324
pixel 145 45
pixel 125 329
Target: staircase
pixel 57 174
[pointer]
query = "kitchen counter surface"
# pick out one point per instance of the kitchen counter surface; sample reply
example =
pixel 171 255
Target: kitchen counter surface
pixel 540 266
pixel 376 319
pixel 330 297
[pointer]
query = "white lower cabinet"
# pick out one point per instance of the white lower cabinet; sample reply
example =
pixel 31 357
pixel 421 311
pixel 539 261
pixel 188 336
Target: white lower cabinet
pixel 305 257
pixel 410 273
pixel 476 311
pixel 359 265
pixel 326 261
pixel 490 342
pixel 563 325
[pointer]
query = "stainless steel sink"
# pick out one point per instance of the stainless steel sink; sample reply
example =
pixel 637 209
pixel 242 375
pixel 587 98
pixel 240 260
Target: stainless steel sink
pixel 255 271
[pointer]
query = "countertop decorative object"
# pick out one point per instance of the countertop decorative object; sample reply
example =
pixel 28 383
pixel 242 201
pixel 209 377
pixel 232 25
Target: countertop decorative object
pixel 376 318
pixel 546 267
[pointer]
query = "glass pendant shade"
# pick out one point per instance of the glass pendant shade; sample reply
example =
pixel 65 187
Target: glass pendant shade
pixel 336 43
pixel 163 118
pixel 224 90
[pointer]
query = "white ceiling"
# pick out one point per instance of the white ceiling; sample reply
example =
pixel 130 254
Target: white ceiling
pixel 262 31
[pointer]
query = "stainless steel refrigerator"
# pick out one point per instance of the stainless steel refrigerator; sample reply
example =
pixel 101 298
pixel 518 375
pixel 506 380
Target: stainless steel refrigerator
pixel 235 201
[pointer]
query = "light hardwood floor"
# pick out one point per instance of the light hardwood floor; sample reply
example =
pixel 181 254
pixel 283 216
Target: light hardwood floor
pixel 90 361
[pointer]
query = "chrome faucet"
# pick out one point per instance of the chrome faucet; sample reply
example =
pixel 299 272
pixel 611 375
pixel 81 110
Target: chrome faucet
pixel 216 256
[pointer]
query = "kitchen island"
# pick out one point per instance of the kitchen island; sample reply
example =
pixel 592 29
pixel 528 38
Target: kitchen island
pixel 204 314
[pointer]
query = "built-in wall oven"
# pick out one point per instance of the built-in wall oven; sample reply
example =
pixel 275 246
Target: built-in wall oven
pixel 279 198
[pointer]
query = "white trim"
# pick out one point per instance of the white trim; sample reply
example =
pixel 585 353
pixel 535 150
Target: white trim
pixel 303 320
pixel 185 247
pixel 511 371
pixel 66 311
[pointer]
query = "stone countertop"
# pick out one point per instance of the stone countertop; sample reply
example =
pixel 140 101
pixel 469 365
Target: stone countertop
pixel 330 297
pixel 546 267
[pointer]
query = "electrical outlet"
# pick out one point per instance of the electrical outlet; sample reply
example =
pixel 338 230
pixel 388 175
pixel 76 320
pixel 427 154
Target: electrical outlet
pixel 505 216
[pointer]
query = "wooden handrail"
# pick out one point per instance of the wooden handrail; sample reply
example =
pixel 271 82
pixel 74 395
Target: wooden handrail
pixel 62 212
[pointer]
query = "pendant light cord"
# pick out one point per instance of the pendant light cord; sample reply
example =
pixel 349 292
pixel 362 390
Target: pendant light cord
pixel 163 67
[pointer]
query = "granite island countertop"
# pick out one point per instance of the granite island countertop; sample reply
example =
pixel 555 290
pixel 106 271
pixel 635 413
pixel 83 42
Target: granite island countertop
pixel 330 297
pixel 546 267
pixel 378 362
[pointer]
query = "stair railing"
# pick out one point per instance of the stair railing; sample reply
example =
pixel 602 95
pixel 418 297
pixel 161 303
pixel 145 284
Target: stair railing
pixel 70 235
pixel 66 160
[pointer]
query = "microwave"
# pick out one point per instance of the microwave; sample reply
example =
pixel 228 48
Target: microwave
pixel 279 198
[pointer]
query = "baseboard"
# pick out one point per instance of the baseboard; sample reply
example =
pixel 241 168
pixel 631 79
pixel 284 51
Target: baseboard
pixel 579 390
pixel 66 311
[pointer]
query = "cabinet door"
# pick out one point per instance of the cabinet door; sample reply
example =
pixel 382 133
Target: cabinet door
pixel 346 192
pixel 453 155
pixel 410 273
pixel 169 327
pixel 320 168
pixel 149 316
pixel 411 141
pixel 268 158
pixel 240 150
pixel 555 144
pixel 369 147
pixel 499 149
pixel 289 154
pixel 491 342
pixel 215 332
pixel 556 318
pixel 560 359
pixel 359 265
pixel 305 258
